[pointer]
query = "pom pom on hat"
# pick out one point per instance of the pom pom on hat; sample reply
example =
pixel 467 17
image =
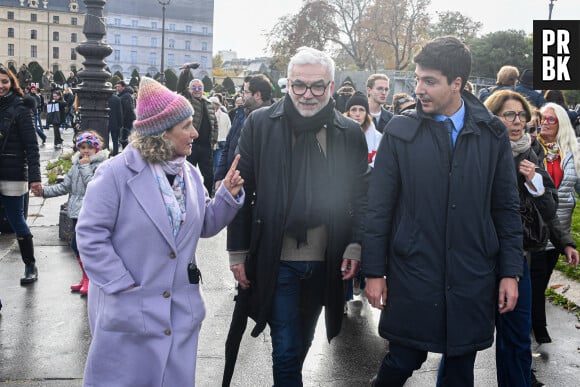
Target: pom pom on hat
pixel 158 108
pixel 358 99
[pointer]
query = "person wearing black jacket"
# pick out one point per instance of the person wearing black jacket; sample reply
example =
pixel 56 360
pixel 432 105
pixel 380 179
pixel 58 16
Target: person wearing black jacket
pixel 125 93
pixel 115 122
pixel 55 116
pixel 19 164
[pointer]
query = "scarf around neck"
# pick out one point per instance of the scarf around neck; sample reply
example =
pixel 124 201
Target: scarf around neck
pixel 522 145
pixel 173 195
pixel 551 149
pixel 309 175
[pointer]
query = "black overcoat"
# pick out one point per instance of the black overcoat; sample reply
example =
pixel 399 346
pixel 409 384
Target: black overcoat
pixel 443 228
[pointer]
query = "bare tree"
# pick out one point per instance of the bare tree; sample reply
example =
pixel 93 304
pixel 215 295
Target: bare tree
pixel 313 26
pixel 401 25
pixel 353 38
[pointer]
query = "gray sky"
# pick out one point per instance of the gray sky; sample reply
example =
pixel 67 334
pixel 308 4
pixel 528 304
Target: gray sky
pixel 240 25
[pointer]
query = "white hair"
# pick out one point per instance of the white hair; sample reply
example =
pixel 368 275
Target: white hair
pixel 308 55
pixel 196 81
pixel 566 136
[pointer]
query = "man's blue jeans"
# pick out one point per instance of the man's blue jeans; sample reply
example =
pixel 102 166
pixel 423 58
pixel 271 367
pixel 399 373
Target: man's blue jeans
pixel 295 311
pixel 38 126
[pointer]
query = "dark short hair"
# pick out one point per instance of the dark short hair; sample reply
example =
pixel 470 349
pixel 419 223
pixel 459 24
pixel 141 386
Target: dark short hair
pixel 122 83
pixel 262 84
pixel 447 54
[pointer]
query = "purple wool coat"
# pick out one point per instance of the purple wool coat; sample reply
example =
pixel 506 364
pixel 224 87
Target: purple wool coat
pixel 147 335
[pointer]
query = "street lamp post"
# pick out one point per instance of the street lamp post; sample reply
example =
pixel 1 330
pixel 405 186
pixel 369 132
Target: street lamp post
pixel 551 6
pixel 163 4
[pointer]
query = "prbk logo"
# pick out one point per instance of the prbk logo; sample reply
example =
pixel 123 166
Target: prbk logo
pixel 557 54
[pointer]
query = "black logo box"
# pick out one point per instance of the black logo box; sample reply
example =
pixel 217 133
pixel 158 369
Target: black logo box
pixel 572 27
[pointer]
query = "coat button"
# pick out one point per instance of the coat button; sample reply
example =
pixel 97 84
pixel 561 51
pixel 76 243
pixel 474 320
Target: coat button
pixel 166 294
pixel 172 255
pixel 167 332
pixel 453 206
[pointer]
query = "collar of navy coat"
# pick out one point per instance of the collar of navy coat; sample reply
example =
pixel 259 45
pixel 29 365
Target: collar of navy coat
pixel 477 118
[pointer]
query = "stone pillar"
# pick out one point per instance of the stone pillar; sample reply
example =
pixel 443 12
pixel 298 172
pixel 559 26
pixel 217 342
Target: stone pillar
pixel 94 89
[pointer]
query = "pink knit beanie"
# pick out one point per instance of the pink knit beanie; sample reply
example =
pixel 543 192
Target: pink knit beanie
pixel 158 108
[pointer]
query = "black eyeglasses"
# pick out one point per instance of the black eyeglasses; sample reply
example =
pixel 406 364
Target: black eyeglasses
pixel 532 129
pixel 510 116
pixel 317 89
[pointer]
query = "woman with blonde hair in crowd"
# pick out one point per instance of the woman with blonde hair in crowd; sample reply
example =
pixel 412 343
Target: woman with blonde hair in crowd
pixel 562 162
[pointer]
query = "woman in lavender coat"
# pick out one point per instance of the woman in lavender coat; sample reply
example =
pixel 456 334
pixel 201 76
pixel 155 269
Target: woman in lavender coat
pixel 143 214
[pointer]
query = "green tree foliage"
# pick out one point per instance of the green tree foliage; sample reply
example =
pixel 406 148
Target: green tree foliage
pixel 135 78
pixel 454 23
pixel 170 80
pixel 229 85
pixel 12 68
pixel 59 78
pixel 497 49
pixel 36 70
pixel 118 75
pixel 207 83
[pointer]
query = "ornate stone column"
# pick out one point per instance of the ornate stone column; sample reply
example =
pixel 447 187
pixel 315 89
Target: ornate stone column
pixel 94 90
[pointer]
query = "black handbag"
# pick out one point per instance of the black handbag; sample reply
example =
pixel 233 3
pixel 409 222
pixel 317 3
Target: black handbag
pixel 535 230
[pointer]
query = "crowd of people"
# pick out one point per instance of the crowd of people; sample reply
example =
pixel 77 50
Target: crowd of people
pixel 324 194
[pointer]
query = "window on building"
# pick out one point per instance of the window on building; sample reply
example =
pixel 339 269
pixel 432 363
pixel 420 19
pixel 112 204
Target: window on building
pixel 117 39
pixel 10 32
pixel 154 25
pixel 153 42
pixel 55 53
pixel 55 19
pixel 203 46
pixel 73 68
pixel 134 23
pixel 55 68
pixel 133 57
pixel 117 21
pixel 10 49
pixel 134 40
pixel 73 37
pixel 204 30
pixel 152 58
pixel 171 43
pixel 186 58
pixel 117 55
pixel 187 45
pixel 34 51
pixel 203 62
pixel 55 36
pixel 10 15
pixel 188 29
pixel 73 54
pixel 33 34
pixel 33 17
pixel 74 21
pixel 171 26
pixel 170 59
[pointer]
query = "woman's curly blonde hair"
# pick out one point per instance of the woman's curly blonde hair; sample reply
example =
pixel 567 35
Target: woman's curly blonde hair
pixel 153 148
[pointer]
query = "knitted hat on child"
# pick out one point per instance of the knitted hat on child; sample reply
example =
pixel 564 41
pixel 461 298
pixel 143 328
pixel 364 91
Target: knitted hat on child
pixel 358 99
pixel 158 108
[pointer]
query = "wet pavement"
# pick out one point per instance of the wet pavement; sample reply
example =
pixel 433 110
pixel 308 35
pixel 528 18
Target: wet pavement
pixel 44 335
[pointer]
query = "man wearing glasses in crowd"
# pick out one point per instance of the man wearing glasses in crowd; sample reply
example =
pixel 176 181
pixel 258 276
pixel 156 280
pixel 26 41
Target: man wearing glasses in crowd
pixel 298 236
pixel 205 122
pixel 378 90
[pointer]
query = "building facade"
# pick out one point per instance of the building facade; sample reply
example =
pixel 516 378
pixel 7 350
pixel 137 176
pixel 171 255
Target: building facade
pixel 134 33
pixel 48 32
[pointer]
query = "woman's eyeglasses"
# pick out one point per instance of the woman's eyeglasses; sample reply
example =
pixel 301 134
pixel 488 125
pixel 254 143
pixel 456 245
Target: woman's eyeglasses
pixel 510 116
pixel 550 120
